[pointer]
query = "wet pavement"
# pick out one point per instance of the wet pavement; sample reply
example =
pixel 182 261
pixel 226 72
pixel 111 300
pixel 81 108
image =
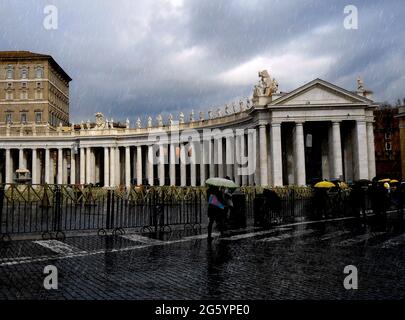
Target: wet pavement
pixel 303 260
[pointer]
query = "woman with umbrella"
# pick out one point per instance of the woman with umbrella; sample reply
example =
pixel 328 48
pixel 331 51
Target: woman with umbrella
pixel 217 207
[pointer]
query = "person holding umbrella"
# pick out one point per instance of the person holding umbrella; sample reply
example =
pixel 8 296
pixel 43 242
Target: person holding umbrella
pixel 216 203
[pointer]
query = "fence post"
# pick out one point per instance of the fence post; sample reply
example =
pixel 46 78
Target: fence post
pixel 57 209
pixel 1 207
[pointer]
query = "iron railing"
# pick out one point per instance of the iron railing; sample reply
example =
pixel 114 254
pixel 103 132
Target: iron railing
pixel 53 210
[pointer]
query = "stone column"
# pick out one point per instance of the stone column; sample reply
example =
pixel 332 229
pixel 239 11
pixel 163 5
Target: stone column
pixel 183 172
pixel 251 158
pixel 127 167
pixel 299 154
pixel 34 171
pixel 370 151
pixel 117 167
pixel 106 167
pixel 229 156
pixel 202 162
pixel 244 159
pixel 112 167
pixel 238 158
pixel 220 158
pixel 337 151
pixel 362 152
pixel 88 165
pixel 263 156
pixel 276 155
pixel 150 165
pixel 211 158
pixel 9 167
pixel 193 173
pixel 60 166
pixel 139 165
pixel 72 166
pixel 93 165
pixel 47 166
pixel 161 166
pixel 172 165
pixel 21 159
pixel 82 166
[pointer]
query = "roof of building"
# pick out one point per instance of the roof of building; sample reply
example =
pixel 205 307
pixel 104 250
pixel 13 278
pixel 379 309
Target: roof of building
pixel 27 55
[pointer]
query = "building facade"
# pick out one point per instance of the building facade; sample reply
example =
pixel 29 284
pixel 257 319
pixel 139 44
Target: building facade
pixel 317 131
pixel 387 142
pixel 35 89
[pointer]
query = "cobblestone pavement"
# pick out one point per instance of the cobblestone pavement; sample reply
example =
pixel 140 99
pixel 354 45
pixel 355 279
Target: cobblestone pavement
pixel 296 261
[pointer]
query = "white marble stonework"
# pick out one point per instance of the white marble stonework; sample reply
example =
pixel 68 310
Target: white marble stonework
pixel 319 129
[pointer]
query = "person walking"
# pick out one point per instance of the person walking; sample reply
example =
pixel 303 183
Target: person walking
pixel 216 210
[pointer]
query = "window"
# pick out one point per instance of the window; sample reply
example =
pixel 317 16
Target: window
pixel 23 85
pixel 8 118
pixel 9 95
pixel 23 118
pixel 10 73
pixel 24 95
pixel 24 73
pixel 388 146
pixel 38 117
pixel 38 94
pixel 39 73
pixel 387 135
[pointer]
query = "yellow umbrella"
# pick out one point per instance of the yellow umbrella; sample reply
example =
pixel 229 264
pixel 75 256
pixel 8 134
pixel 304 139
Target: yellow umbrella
pixel 324 184
pixel 384 180
pixel 394 181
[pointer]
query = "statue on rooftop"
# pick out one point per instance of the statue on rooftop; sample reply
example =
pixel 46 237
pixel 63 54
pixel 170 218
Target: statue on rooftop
pixel 149 122
pixel 159 120
pixel 181 117
pixel 138 123
pixel 192 116
pixel 100 121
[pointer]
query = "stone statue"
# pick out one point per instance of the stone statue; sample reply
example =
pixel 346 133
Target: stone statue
pixel 360 84
pixel 127 124
pixel 227 109
pixel 159 120
pixel 149 122
pixel 81 125
pixel 112 123
pixel 192 116
pixel 138 123
pixel 201 115
pixel 181 117
pixel 72 127
pixel 100 121
pixel 241 105
pixel 267 85
pixel 170 119
pixel 219 113
pixel 248 103
pixel 234 107
pixel 210 115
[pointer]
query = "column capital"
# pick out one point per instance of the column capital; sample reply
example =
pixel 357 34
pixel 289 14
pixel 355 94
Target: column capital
pixel 275 124
pixel 336 122
pixel 299 123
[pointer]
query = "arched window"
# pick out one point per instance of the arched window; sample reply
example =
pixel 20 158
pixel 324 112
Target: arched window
pixel 10 73
pixel 39 72
pixel 24 73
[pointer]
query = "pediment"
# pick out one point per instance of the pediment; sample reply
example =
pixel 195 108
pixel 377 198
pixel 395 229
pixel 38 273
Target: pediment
pixel 319 92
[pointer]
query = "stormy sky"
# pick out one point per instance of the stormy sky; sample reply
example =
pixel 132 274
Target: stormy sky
pixel 135 58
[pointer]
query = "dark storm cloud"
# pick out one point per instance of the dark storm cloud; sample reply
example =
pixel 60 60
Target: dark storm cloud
pixel 135 58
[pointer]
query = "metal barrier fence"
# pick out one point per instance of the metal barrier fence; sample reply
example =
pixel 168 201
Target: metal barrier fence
pixel 52 210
